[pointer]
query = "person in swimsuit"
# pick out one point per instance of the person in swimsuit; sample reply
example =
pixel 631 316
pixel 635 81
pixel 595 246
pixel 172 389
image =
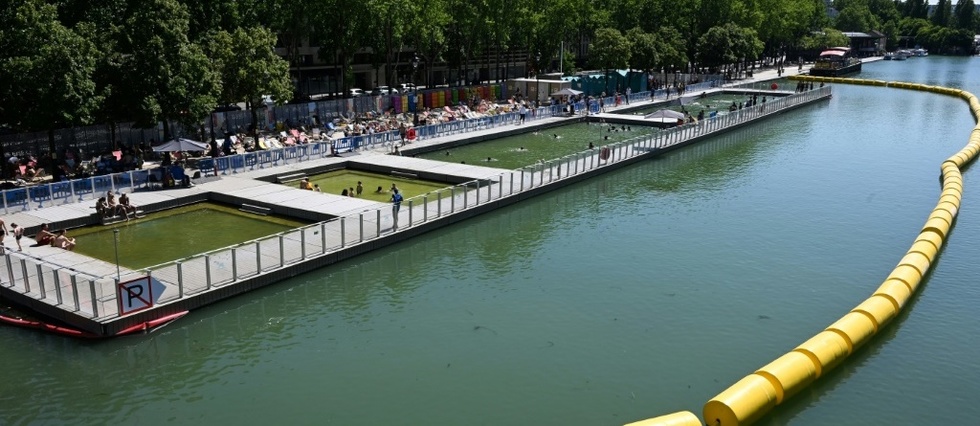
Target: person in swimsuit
pixel 18 234
pixel 44 236
pixel 62 241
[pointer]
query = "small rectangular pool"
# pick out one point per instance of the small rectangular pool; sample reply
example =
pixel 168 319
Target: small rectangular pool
pixel 177 233
pixel 337 181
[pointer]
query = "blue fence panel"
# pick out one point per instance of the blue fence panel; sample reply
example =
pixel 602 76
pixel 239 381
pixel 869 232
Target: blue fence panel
pixel 140 177
pixel 206 166
pixel 102 183
pixel 263 157
pixel 81 187
pixel 122 180
pixel 236 162
pixel 15 197
pixel 61 191
pixel 39 194
pixel 251 159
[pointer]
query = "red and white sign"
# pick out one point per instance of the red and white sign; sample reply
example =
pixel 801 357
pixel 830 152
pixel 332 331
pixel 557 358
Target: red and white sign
pixel 135 295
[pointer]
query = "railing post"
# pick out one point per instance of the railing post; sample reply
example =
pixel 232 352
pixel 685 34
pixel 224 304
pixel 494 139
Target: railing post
pixel 57 288
pixel 394 218
pixel 522 181
pixel 40 281
pixel 439 203
pixel 477 192
pixel 500 187
pixel 302 244
pixel 361 226
pixel 180 280
pixel 258 258
pixel 282 252
pixel 234 264
pixel 27 281
pixel 95 298
pixel 465 193
pixel 410 213
pixel 207 271
pixel 425 208
pixel 74 292
pixel 323 235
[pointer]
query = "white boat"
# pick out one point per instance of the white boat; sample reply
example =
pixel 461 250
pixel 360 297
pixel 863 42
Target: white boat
pixel 902 55
pixel 920 52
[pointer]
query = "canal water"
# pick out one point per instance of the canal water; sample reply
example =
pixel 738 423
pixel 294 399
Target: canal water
pixel 637 293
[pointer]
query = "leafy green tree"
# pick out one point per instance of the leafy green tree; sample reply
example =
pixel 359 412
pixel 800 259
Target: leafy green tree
pixel 672 47
pixel 644 53
pixel 820 40
pixel 916 9
pixel 943 12
pixel 249 68
pixel 45 70
pixel 965 16
pixel 168 78
pixel 857 17
pixel 609 50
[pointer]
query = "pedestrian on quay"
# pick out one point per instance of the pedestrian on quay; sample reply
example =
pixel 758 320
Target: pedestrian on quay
pixel 396 204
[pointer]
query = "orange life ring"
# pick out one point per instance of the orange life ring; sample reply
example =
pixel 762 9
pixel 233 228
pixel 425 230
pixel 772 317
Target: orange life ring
pixel 604 153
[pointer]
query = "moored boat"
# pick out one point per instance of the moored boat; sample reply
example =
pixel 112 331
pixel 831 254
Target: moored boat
pixel 835 62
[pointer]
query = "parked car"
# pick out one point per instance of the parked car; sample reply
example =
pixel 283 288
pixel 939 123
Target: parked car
pixel 407 87
pixel 355 92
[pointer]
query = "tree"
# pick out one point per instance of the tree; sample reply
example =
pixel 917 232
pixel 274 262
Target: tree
pixel 964 17
pixel 916 9
pixel 167 76
pixel 942 14
pixel 260 73
pixel 829 37
pixel 609 50
pixel 857 17
pixel 45 70
pixel 644 54
pixel 728 44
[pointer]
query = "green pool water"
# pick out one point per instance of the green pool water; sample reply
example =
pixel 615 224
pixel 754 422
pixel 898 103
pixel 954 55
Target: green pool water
pixel 335 182
pixel 176 233
pixel 715 102
pixel 523 150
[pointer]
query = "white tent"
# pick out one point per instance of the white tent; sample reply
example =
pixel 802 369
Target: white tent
pixel 181 144
pixel 567 92
pixel 664 114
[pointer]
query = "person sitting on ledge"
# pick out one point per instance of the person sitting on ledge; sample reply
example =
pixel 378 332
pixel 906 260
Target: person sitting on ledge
pixel 126 207
pixel 103 209
pixel 44 236
pixel 62 241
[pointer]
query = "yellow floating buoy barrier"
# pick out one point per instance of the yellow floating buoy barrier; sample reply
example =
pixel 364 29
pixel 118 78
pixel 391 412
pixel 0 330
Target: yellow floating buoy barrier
pixel 680 418
pixel 879 308
pixel 896 292
pixel 741 404
pixel 856 329
pixel 788 374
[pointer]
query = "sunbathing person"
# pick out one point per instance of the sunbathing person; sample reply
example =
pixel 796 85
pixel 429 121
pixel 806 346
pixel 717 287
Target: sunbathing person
pixel 62 241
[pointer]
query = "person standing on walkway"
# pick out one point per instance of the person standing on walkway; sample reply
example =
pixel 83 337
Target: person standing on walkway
pixel 396 204
pixel 629 92
pixel 18 234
